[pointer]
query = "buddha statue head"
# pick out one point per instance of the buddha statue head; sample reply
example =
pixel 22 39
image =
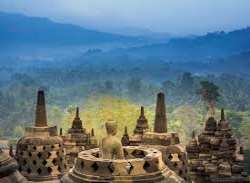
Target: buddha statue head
pixel 111 127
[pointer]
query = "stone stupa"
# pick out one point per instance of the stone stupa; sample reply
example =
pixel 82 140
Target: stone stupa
pixel 77 139
pixel 215 156
pixel 40 153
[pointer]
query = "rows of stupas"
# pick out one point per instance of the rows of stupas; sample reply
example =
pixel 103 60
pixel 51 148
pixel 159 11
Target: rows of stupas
pixel 76 156
pixel 215 156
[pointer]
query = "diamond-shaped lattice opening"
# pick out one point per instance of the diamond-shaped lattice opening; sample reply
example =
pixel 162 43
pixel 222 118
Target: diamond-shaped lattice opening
pixel 129 167
pixel 82 165
pixel 111 167
pixel 44 162
pixel 44 147
pixel 39 171
pixel 180 172
pixel 34 162
pixel 54 161
pixel 49 169
pixel 95 167
pixel 52 147
pixel 30 154
pixel 96 155
pixel 24 162
pixel 29 170
pixel 146 166
pixel 170 157
pixel 34 147
pixel 49 154
pixel 138 154
pixel 59 168
pixel 39 155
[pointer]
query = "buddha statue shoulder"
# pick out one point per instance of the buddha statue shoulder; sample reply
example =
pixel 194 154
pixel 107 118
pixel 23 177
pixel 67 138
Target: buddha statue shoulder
pixel 111 146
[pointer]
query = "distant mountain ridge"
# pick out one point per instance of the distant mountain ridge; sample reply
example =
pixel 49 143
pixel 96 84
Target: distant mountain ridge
pixel 18 29
pixel 211 45
pixel 21 29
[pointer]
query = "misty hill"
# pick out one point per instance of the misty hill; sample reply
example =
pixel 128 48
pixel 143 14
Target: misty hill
pixel 145 34
pixel 211 45
pixel 20 29
pixel 238 64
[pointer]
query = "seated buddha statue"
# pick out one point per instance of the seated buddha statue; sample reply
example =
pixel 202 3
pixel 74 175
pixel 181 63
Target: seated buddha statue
pixel 111 146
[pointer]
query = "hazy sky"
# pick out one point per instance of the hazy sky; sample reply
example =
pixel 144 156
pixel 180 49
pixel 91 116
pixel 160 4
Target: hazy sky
pixel 172 16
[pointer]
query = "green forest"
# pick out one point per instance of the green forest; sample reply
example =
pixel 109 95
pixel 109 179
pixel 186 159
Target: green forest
pixel 190 99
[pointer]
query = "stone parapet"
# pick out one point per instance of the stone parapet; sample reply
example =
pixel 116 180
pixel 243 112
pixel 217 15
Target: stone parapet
pixel 165 139
pixel 140 165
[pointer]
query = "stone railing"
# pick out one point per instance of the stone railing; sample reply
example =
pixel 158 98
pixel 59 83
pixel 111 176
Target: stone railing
pixel 140 165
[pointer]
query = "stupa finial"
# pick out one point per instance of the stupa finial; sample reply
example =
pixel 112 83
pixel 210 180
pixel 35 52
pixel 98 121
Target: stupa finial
pixel 41 116
pixel 77 112
pixel 222 115
pixel 160 125
pixel 193 134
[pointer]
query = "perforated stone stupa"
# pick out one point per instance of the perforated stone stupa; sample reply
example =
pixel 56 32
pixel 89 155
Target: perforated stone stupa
pixel 174 155
pixel 77 139
pixel 114 163
pixel 40 152
pixel 214 156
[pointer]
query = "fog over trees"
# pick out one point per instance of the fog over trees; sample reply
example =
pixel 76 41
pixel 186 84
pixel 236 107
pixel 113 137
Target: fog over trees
pixel 112 77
